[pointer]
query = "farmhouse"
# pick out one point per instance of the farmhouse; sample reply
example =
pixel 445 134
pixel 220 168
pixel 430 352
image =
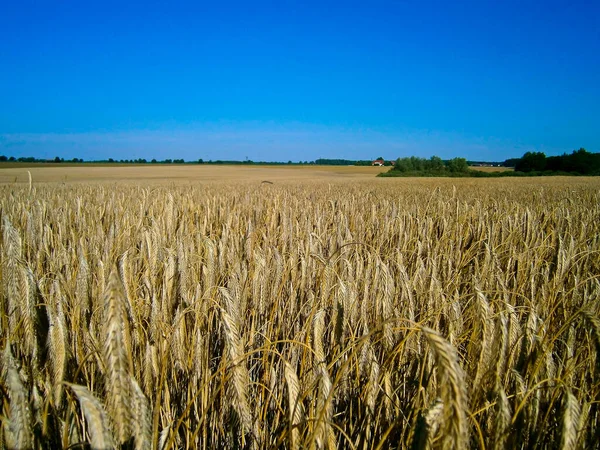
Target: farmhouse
pixel 381 162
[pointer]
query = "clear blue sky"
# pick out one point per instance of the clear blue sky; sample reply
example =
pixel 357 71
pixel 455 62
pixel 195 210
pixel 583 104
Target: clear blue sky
pixel 296 81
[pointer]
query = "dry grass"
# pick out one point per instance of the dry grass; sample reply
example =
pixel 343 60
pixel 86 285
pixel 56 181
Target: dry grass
pixel 325 310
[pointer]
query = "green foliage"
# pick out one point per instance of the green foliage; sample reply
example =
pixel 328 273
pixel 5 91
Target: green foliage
pixel 531 161
pixel 579 162
pixel 458 165
pixel 436 163
pixel 511 162
pixel 335 162
pixel 433 166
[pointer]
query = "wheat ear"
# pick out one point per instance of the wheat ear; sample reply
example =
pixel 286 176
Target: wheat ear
pixel 453 390
pixel 570 421
pixel 142 423
pixel 17 426
pixel 324 433
pixel 239 370
pixel 117 361
pixel 296 411
pixel 96 417
pixel 57 342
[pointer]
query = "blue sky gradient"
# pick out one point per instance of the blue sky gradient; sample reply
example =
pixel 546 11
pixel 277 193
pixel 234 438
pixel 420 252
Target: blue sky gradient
pixel 298 81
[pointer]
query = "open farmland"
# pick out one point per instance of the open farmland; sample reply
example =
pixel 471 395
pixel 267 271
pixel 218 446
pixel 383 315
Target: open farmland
pixel 181 173
pixel 492 169
pixel 197 307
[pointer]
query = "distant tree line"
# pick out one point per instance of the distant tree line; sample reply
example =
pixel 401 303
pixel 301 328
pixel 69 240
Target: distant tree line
pixel 511 162
pixel 432 166
pixel 250 162
pixel 342 162
pixel 31 159
pixel 487 163
pixel 579 162
pixel 326 162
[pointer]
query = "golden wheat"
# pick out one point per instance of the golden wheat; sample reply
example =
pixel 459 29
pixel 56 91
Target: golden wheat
pixel 301 314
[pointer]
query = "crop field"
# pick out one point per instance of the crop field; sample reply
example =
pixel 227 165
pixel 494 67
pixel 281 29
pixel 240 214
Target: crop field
pixel 177 174
pixel 491 169
pixel 202 307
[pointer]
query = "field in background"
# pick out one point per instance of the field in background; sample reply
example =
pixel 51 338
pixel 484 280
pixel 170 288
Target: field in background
pixel 174 307
pixel 492 169
pixel 182 173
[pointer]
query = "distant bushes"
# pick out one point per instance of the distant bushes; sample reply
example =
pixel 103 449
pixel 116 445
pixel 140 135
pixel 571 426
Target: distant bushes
pixel 433 167
pixel 434 164
pixel 580 162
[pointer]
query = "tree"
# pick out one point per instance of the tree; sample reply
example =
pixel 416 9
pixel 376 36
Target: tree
pixel 458 165
pixel 3 158
pixel 511 162
pixel 436 163
pixel 531 161
pixel 403 165
pixel 580 161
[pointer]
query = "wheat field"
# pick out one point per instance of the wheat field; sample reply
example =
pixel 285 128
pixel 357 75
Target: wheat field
pixel 178 174
pixel 308 313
